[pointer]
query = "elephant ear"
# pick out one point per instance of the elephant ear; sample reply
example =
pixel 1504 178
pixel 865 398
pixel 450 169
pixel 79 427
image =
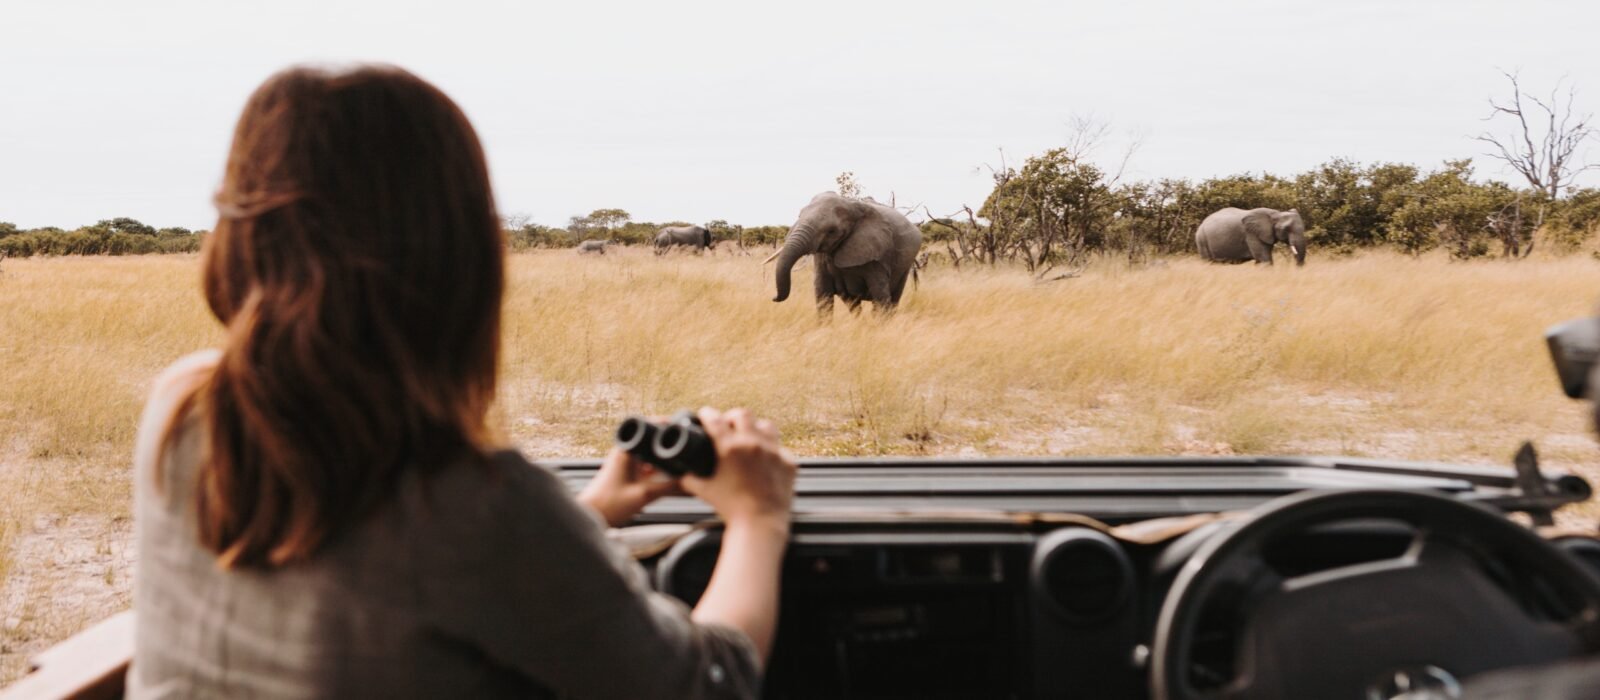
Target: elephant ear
pixel 1282 222
pixel 1258 225
pixel 870 240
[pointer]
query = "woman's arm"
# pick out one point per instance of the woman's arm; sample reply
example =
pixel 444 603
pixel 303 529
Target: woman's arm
pixel 512 565
pixel 509 565
pixel 743 593
pixel 753 491
pixel 759 477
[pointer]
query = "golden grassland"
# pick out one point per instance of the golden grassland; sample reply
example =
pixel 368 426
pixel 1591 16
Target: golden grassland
pixel 1376 355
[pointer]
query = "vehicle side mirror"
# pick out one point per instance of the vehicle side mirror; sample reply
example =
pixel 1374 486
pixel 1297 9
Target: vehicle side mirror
pixel 1575 348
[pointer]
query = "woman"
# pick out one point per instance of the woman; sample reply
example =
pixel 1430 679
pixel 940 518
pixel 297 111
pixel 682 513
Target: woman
pixel 320 507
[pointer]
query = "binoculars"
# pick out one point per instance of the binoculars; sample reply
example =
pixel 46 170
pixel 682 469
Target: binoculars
pixel 679 446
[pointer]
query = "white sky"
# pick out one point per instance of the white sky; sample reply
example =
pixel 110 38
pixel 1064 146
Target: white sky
pixel 743 110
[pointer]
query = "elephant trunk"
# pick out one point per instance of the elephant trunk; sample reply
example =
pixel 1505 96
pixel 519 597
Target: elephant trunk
pixel 798 243
pixel 1297 246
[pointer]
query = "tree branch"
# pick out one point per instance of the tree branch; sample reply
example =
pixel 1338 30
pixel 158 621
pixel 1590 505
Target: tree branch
pixel 1548 165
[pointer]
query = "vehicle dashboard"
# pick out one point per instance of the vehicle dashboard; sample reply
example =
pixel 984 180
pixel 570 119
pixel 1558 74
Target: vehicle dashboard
pixel 1031 578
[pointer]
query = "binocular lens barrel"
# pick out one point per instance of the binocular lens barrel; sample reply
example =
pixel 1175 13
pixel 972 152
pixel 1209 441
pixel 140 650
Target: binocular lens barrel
pixel 637 436
pixel 677 447
pixel 671 440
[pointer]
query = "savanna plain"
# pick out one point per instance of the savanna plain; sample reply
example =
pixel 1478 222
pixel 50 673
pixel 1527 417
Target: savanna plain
pixel 1377 355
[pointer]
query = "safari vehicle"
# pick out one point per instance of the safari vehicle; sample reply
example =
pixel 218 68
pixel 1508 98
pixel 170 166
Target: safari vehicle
pixel 1170 578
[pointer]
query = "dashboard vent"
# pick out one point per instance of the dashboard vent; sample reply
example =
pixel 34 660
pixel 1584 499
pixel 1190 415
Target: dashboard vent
pixel 1081 574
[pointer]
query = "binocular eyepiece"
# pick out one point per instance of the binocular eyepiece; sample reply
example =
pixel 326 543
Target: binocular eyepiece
pixel 1575 347
pixel 679 446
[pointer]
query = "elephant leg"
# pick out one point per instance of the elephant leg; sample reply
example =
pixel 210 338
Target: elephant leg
pixel 825 307
pixel 1262 252
pixel 856 291
pixel 898 288
pixel 878 290
pixel 824 285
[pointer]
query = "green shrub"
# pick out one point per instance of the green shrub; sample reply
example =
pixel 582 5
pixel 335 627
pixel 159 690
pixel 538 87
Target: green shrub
pixel 1574 220
pixel 98 240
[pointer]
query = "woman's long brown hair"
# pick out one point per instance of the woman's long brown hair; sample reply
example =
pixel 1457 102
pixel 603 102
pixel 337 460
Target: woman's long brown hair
pixel 358 265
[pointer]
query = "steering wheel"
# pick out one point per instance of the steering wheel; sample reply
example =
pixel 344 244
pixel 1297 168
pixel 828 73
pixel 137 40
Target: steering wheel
pixel 1473 592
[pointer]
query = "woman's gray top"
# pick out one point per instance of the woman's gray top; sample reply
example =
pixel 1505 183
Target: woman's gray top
pixel 476 582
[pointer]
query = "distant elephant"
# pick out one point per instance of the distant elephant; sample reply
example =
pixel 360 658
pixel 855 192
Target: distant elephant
pixel 694 237
pixel 592 246
pixel 862 251
pixel 1234 235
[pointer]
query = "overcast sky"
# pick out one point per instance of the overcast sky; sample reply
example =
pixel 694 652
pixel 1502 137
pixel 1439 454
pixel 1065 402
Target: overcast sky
pixel 743 110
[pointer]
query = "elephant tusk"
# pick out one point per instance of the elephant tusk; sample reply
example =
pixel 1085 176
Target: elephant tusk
pixel 772 257
pixel 1294 250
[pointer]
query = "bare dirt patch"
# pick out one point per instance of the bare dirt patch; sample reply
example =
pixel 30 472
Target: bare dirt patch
pixel 66 573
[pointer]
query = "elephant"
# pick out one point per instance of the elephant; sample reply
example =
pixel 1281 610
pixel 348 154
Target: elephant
pixel 592 246
pixel 1234 235
pixel 862 251
pixel 694 237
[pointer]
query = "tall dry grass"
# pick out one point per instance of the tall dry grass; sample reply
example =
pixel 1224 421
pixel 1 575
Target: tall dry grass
pixel 79 341
pixel 1376 355
pixel 1138 361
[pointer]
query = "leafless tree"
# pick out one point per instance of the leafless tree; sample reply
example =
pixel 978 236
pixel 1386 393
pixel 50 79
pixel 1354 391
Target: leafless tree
pixel 1513 229
pixel 516 221
pixel 958 246
pixel 1544 146
pixel 1085 134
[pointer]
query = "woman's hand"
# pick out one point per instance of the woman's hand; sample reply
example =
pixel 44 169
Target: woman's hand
pixel 754 481
pixel 623 487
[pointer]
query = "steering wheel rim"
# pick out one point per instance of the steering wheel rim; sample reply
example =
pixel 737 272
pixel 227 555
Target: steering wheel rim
pixel 1429 513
